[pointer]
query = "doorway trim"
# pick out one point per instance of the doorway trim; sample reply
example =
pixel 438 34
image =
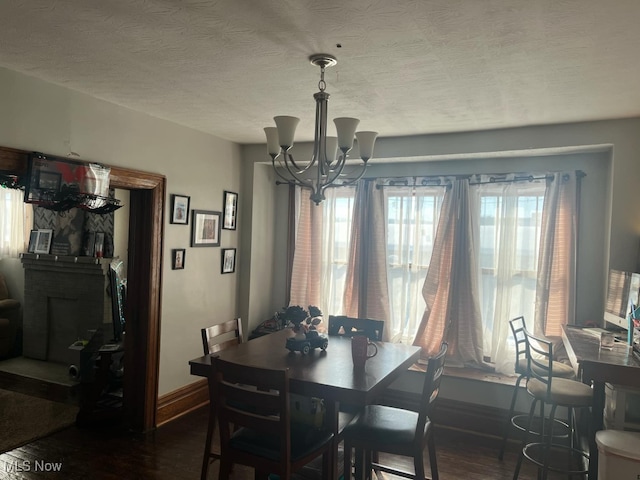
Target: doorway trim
pixel 144 283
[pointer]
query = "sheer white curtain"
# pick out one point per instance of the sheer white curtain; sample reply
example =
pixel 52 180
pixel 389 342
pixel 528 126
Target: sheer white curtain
pixel 412 219
pixel 12 223
pixel 336 235
pixel 508 229
pixel 322 249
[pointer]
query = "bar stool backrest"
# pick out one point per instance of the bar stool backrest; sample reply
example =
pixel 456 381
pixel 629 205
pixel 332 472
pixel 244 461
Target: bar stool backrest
pixel 517 328
pixel 540 359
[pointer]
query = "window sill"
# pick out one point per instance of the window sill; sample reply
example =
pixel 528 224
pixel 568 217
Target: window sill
pixel 473 374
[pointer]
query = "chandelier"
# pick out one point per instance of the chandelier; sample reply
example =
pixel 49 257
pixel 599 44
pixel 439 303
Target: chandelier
pixel 327 165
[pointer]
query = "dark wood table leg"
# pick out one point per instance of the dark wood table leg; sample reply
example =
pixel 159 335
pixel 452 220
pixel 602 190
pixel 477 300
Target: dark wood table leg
pixel 332 423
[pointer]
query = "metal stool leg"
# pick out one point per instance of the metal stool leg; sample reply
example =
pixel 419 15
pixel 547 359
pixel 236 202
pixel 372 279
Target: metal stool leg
pixel 507 426
pixel 525 440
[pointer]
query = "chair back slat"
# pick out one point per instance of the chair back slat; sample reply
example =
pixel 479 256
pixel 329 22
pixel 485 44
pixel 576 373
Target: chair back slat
pixel 254 398
pixel 217 347
pixel 213 337
pixel 258 400
pixel 350 326
pixel 431 387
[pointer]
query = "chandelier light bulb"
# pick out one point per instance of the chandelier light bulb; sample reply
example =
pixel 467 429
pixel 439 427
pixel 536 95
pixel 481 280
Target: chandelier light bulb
pixel 273 143
pixel 332 148
pixel 366 141
pixel 286 130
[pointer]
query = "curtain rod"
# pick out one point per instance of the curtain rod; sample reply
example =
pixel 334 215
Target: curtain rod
pixel 436 181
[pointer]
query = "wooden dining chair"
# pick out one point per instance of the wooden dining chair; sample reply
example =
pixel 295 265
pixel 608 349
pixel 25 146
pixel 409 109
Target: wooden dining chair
pixel 350 326
pixel 215 339
pixel 253 408
pixel 380 428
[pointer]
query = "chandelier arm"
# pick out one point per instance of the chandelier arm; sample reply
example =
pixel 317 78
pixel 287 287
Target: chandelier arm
pixel 351 181
pixel 345 183
pixel 295 174
pixel 295 165
pixel 316 191
pixel 333 177
pixel 276 168
pixel 336 170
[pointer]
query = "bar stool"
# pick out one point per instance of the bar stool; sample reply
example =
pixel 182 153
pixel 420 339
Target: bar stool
pixel 522 369
pixel 556 392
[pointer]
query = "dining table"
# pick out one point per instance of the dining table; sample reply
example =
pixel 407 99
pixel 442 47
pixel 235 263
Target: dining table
pixel 327 374
pixel 597 366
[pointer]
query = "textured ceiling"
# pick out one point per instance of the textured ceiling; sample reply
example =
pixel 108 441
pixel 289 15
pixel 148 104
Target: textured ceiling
pixel 226 67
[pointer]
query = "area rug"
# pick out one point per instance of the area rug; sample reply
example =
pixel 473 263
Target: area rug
pixel 24 418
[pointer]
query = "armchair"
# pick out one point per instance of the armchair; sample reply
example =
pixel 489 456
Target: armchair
pixel 9 320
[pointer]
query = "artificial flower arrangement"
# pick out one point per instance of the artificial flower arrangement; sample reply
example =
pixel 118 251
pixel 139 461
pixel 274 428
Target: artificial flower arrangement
pixel 303 320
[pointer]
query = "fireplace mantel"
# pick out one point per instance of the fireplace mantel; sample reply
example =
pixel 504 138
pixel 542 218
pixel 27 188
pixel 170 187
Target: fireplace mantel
pixel 43 259
pixel 65 297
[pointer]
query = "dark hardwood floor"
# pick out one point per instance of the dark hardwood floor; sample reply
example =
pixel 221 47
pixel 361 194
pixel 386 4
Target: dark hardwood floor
pixel 174 451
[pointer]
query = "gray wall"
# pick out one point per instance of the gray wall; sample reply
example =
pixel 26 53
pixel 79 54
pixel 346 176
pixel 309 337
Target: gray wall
pixel 40 116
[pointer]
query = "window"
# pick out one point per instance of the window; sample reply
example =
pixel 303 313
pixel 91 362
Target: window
pixel 509 226
pixel 12 222
pixel 322 249
pixel 412 220
pixel 336 232
pixel 501 230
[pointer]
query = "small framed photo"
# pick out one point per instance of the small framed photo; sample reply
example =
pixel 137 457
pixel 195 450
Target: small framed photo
pixel 177 258
pixel 43 242
pixel 228 260
pixel 33 241
pixel 230 210
pixel 205 228
pixel 180 209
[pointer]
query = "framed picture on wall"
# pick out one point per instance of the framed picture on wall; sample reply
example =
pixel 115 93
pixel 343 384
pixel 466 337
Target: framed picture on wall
pixel 205 228
pixel 180 209
pixel 177 258
pixel 230 210
pixel 228 260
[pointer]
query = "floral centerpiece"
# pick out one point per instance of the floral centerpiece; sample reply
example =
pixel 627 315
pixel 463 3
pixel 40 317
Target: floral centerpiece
pixel 303 320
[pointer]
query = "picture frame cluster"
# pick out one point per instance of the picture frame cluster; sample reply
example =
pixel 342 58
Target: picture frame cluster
pixel 41 239
pixel 206 228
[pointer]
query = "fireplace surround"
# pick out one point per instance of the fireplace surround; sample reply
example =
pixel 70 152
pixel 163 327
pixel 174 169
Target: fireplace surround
pixel 65 298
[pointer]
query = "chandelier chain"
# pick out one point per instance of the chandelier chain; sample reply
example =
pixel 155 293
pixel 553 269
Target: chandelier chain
pixel 322 85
